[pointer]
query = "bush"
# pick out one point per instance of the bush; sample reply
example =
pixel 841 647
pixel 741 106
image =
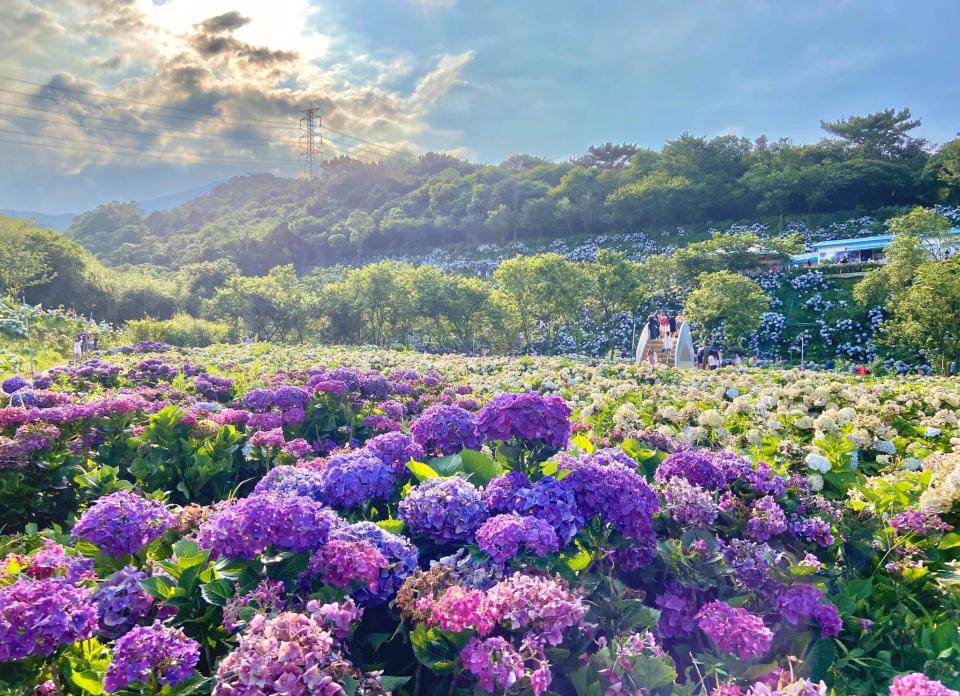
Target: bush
pixel 181 330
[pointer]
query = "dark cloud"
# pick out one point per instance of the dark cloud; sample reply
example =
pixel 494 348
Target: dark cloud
pixel 209 45
pixel 229 21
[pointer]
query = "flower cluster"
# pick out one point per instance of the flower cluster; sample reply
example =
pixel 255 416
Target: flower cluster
pixel 503 536
pixel 400 554
pixel 354 478
pixel 342 562
pixel 443 509
pixel 152 655
pixel 917 684
pixel 734 629
pixel 123 523
pixel 121 602
pixel 264 520
pixel 36 616
pixel 528 416
pixel 443 429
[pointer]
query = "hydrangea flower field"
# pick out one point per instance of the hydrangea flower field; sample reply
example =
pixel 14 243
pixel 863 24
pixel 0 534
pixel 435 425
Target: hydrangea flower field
pixel 245 520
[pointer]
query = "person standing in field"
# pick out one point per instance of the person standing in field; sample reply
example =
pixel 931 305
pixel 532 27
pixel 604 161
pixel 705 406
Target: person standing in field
pixel 78 347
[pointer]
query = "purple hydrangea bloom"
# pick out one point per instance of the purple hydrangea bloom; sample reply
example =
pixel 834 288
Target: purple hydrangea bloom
pixel 552 501
pixel 503 536
pixel 693 466
pixel 527 416
pixel 354 478
pixel 828 619
pixel 401 555
pixel 443 509
pixel 443 430
pixel 123 522
pixel 268 438
pixel 494 662
pixel 14 384
pixel 330 386
pixel 291 480
pixel 51 560
pixel 36 616
pixel 152 654
pixel 766 519
pixel 797 603
pixel 121 602
pixel 264 520
pixel 920 522
pixel 266 597
pixel 500 493
pixel 751 563
pixel 759 477
pixel 678 611
pixel 619 495
pixel 342 562
pixel 689 504
pixel 734 629
pixel 395 450
pixel 613 455
pixel 814 529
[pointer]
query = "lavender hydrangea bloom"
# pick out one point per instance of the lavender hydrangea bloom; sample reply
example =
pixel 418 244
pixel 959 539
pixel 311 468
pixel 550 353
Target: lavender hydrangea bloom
pixel 544 606
pixel 354 478
pixel 692 466
pixel 751 563
pixel 395 450
pixel 38 615
pixel 734 629
pixel 152 654
pixel 552 501
pixel 291 480
pixel 443 509
pixel 121 602
pixel 500 493
pixel 689 505
pixel 613 455
pixel 401 555
pixel 123 522
pixel 814 529
pixel 443 430
pixel 766 519
pixel 797 603
pixel 503 536
pixel 527 416
pixel 256 523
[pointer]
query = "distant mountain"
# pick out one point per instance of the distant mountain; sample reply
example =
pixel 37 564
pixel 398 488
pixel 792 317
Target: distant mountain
pixel 175 200
pixel 51 222
pixel 60 222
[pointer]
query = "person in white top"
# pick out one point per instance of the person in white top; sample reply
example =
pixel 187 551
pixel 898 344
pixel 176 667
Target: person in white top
pixel 668 342
pixel 77 347
pixel 712 361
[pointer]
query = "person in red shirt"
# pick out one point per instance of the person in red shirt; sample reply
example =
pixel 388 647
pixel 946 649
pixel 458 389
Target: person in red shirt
pixel 862 370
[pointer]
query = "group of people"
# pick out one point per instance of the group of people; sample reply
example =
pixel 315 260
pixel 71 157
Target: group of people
pixel 663 325
pixel 84 343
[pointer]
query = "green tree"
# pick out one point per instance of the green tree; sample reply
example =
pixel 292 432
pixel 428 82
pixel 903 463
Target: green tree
pixel 615 288
pixel 270 306
pixel 359 226
pixel 728 304
pixel 928 227
pixel 736 251
pixel 882 134
pixel 926 314
pixel 22 265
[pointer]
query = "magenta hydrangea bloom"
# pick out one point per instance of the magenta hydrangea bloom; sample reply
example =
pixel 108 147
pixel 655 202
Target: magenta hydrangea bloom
pixel 504 536
pixel 395 450
pixel 36 616
pixel 267 520
pixel 122 602
pixel 401 555
pixel 152 653
pixel 443 430
pixel 123 523
pixel 918 684
pixel 494 662
pixel 342 562
pixel 443 509
pixel 460 608
pixel 734 629
pixel 52 560
pixel 528 416
pixel 354 478
pixel 268 438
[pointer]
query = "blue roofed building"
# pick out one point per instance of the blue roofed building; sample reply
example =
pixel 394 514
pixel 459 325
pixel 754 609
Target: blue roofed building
pixel 856 250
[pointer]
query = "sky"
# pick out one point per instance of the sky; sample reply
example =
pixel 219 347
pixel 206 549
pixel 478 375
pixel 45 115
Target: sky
pixel 135 99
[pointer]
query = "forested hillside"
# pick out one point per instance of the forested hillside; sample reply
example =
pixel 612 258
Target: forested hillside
pixel 357 211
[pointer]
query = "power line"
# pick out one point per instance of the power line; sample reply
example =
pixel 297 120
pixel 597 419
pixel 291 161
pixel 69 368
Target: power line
pixel 166 134
pixel 201 156
pixel 354 137
pixel 139 102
